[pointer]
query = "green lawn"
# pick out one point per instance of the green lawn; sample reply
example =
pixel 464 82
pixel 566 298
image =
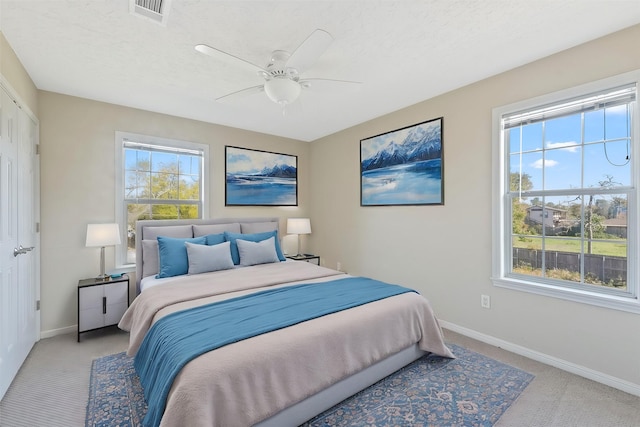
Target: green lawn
pixel 610 248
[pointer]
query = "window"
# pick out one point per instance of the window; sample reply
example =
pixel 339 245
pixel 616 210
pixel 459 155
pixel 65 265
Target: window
pixel 158 179
pixel 565 194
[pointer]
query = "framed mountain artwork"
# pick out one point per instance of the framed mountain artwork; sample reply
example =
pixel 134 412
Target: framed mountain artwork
pixel 403 167
pixel 260 178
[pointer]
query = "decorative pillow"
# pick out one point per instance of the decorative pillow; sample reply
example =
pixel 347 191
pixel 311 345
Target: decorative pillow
pixel 255 237
pixel 149 258
pixel 215 239
pixel 173 255
pixel 258 227
pixel 204 229
pixel 205 258
pixel 252 253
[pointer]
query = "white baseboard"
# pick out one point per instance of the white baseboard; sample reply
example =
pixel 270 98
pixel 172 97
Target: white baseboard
pixel 61 331
pixel 582 371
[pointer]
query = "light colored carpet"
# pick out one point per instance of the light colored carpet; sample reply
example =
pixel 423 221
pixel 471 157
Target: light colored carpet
pixel 51 389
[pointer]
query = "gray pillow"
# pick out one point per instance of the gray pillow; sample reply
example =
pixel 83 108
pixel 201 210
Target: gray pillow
pixel 204 258
pixel 252 253
pixel 150 258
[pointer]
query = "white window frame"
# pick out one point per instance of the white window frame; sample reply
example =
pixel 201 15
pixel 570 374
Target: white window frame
pixel 121 214
pixel 501 221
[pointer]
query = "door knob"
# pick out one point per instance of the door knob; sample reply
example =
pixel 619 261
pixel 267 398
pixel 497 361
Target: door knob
pixel 20 250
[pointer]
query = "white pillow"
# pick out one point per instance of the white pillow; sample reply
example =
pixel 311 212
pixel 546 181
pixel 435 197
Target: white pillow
pixel 204 258
pixel 252 253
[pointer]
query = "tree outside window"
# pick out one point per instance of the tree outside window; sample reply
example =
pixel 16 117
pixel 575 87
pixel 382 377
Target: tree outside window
pixel 161 179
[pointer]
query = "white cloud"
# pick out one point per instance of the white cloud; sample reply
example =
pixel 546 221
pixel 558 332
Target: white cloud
pixel 539 164
pixel 570 146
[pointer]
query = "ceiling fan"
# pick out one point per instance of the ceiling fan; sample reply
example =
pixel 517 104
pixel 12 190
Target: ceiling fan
pixel 282 75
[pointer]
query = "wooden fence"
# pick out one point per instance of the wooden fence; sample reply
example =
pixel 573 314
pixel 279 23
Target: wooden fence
pixel 603 267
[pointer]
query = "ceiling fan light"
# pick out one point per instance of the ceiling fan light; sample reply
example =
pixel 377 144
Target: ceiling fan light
pixel 282 91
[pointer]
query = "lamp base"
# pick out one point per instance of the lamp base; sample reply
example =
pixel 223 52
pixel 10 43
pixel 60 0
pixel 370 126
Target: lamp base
pixel 299 254
pixel 103 277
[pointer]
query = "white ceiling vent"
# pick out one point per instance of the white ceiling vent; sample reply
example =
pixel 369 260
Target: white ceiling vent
pixel 155 10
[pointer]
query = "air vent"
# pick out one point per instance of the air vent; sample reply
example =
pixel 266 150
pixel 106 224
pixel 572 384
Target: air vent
pixel 155 10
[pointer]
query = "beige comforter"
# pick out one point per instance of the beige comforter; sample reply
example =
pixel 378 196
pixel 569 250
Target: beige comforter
pixel 248 381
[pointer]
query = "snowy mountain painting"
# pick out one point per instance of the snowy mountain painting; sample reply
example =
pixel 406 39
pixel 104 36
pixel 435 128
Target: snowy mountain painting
pixel 403 167
pixel 260 178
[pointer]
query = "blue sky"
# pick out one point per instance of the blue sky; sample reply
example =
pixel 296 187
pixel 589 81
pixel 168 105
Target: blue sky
pixel 189 165
pixel 559 153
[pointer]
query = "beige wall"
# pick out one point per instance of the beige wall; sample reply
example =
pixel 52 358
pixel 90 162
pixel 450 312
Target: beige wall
pixel 415 246
pixel 445 251
pixel 14 73
pixel 78 185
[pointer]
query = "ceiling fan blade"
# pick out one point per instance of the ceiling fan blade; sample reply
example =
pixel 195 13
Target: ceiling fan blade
pixel 328 84
pixel 224 56
pixel 310 50
pixel 241 93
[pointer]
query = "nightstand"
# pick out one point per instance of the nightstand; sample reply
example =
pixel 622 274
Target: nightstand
pixel 101 303
pixel 315 259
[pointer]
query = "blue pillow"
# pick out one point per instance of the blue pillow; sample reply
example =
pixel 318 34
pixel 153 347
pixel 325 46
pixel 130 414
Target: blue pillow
pixel 173 255
pixel 215 239
pixel 255 237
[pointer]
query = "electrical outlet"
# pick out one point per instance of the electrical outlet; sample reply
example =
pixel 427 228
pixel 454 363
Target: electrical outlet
pixel 339 266
pixel 485 301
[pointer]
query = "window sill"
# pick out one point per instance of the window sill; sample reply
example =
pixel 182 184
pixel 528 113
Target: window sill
pixel 614 302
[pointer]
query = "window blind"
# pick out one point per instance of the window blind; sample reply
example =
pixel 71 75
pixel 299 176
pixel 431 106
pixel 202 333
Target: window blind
pixel 618 96
pixel 126 143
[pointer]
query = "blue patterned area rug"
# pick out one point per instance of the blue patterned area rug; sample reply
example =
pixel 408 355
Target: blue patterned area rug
pixel 472 390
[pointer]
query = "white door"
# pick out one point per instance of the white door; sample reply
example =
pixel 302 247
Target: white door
pixel 19 316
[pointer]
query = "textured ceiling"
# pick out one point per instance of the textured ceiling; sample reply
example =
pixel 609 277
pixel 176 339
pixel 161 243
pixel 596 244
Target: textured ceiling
pixel 402 51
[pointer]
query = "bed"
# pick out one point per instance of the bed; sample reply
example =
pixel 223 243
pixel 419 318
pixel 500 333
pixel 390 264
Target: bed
pixel 282 377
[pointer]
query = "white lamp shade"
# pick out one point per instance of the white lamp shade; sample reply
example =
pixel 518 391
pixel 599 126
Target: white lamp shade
pixel 298 226
pixel 103 235
pixel 282 91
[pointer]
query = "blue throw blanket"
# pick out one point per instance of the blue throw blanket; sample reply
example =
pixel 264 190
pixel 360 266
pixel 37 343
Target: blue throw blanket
pixel 180 337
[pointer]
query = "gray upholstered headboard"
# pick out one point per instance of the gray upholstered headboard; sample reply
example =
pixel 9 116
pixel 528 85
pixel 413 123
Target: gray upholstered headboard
pixel 147 232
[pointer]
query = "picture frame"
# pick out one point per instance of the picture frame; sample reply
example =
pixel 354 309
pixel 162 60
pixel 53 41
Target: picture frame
pixel 260 178
pixel 404 166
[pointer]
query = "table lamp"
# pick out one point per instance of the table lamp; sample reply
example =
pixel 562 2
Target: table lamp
pixel 101 235
pixel 299 226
